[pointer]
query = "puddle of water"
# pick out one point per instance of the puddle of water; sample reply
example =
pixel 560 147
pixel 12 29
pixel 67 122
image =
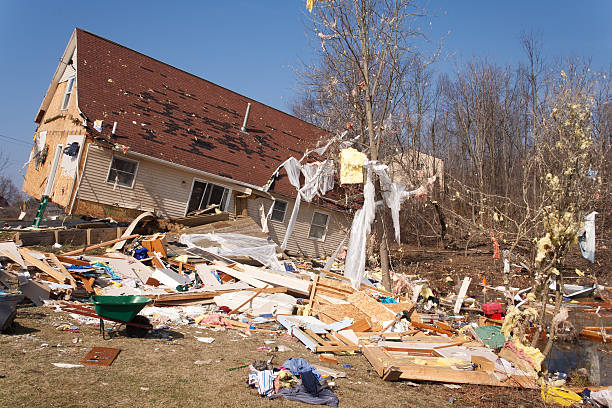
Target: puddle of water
pixel 595 357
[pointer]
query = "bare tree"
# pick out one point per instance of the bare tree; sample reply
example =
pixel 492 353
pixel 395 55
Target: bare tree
pixel 368 48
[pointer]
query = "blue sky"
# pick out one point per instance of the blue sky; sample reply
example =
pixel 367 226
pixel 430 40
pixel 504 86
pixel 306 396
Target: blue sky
pixel 251 46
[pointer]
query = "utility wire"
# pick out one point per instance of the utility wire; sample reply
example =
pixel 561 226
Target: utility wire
pixel 15 140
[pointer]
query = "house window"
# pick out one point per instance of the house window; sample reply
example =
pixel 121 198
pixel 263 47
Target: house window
pixel 279 210
pixel 205 194
pixel 122 172
pixel 318 226
pixel 69 87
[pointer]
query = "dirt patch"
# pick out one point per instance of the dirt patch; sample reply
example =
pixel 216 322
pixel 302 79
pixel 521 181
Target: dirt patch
pixel 155 372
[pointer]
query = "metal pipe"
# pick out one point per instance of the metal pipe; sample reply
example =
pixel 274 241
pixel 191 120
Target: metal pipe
pixel 246 117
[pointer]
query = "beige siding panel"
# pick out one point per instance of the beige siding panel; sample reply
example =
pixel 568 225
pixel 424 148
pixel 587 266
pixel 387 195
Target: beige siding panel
pixel 157 188
pixel 299 243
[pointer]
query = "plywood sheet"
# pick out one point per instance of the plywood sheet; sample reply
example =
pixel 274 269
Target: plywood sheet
pixel 376 311
pixel 340 312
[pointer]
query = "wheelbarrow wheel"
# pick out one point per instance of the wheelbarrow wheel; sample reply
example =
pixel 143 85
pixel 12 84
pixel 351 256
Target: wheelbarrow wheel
pixel 135 331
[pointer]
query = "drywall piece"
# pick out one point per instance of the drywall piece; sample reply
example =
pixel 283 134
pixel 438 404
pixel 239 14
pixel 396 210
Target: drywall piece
pixel 462 292
pixel 125 266
pixel 69 164
pixel 9 249
pixel 170 278
pixel 130 229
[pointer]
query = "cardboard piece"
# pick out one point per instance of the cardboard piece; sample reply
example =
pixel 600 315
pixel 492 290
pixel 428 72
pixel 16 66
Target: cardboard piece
pixel 101 356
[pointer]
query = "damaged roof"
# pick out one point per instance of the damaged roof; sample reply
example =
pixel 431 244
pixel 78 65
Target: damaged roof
pixel 169 114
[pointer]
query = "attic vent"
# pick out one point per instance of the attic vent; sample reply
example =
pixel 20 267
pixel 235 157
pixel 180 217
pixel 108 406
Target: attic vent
pixel 246 118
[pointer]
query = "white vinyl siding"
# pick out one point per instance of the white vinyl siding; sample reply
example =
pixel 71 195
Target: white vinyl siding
pixel 163 190
pixel 299 244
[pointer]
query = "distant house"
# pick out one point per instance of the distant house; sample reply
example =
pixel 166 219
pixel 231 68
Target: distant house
pixel 120 133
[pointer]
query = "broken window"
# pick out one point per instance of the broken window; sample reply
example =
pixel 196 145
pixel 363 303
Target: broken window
pixel 67 94
pixel 205 194
pixel 318 226
pixel 122 172
pixel 279 210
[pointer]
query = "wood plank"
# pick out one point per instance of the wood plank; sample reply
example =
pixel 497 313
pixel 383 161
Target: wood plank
pixel 462 292
pixel 62 269
pixel 42 265
pixel 72 261
pixel 313 291
pixel 100 245
pixel 248 300
pixel 247 278
pixel 121 242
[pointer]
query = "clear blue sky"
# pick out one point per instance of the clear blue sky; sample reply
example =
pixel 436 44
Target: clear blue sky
pixel 250 46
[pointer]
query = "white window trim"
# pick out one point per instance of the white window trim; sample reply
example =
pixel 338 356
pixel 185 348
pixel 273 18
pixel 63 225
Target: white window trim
pixel 110 166
pixel 66 103
pixel 284 213
pixel 326 225
pixel 227 199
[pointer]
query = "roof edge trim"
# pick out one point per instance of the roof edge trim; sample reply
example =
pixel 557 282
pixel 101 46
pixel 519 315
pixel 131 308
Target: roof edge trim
pixel 56 77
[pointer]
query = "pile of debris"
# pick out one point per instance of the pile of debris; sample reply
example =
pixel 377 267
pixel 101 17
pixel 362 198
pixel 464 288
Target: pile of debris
pixel 184 283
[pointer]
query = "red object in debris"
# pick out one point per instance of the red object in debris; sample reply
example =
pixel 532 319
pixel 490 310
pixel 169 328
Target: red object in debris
pixel 490 309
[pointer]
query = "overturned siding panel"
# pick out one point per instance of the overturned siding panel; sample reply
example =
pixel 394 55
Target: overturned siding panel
pixel 157 188
pixel 299 243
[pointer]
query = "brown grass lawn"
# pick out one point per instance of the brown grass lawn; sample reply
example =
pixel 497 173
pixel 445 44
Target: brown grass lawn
pixel 153 372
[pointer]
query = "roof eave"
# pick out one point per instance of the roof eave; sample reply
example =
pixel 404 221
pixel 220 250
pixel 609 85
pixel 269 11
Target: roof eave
pixel 56 77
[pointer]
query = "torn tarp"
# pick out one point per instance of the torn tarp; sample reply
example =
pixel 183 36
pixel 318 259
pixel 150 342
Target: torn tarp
pixel 237 245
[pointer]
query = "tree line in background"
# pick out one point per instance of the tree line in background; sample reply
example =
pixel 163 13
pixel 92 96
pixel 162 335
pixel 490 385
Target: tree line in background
pixel 497 129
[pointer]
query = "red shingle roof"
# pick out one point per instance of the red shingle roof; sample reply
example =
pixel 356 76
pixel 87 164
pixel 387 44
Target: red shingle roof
pixel 164 112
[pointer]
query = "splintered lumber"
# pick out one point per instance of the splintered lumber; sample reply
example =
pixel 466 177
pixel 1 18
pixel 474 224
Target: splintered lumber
pixel 293 284
pixel 392 366
pixel 43 266
pixel 62 269
pixel 430 327
pixel 202 295
pixel 248 300
pixel 121 242
pixel 100 245
pixel 243 276
pixel 9 249
pixel 72 261
pixel 597 335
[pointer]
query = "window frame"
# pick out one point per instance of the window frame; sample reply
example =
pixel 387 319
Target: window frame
pixel 326 226
pixel 284 212
pixel 110 167
pixel 227 193
pixel 68 92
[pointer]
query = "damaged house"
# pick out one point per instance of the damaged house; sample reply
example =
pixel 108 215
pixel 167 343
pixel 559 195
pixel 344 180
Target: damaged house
pixel 120 133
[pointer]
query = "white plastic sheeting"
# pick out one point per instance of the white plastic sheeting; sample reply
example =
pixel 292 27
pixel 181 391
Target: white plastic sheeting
pixel 318 180
pixel 237 245
pixel 586 238
pixel 354 266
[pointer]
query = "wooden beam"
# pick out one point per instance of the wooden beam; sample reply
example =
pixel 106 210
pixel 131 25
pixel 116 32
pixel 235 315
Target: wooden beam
pixel 62 269
pixel 248 300
pixel 42 265
pixel 100 245
pixel 73 261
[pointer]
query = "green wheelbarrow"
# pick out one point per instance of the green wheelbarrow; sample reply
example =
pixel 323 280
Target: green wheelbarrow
pixel 118 309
